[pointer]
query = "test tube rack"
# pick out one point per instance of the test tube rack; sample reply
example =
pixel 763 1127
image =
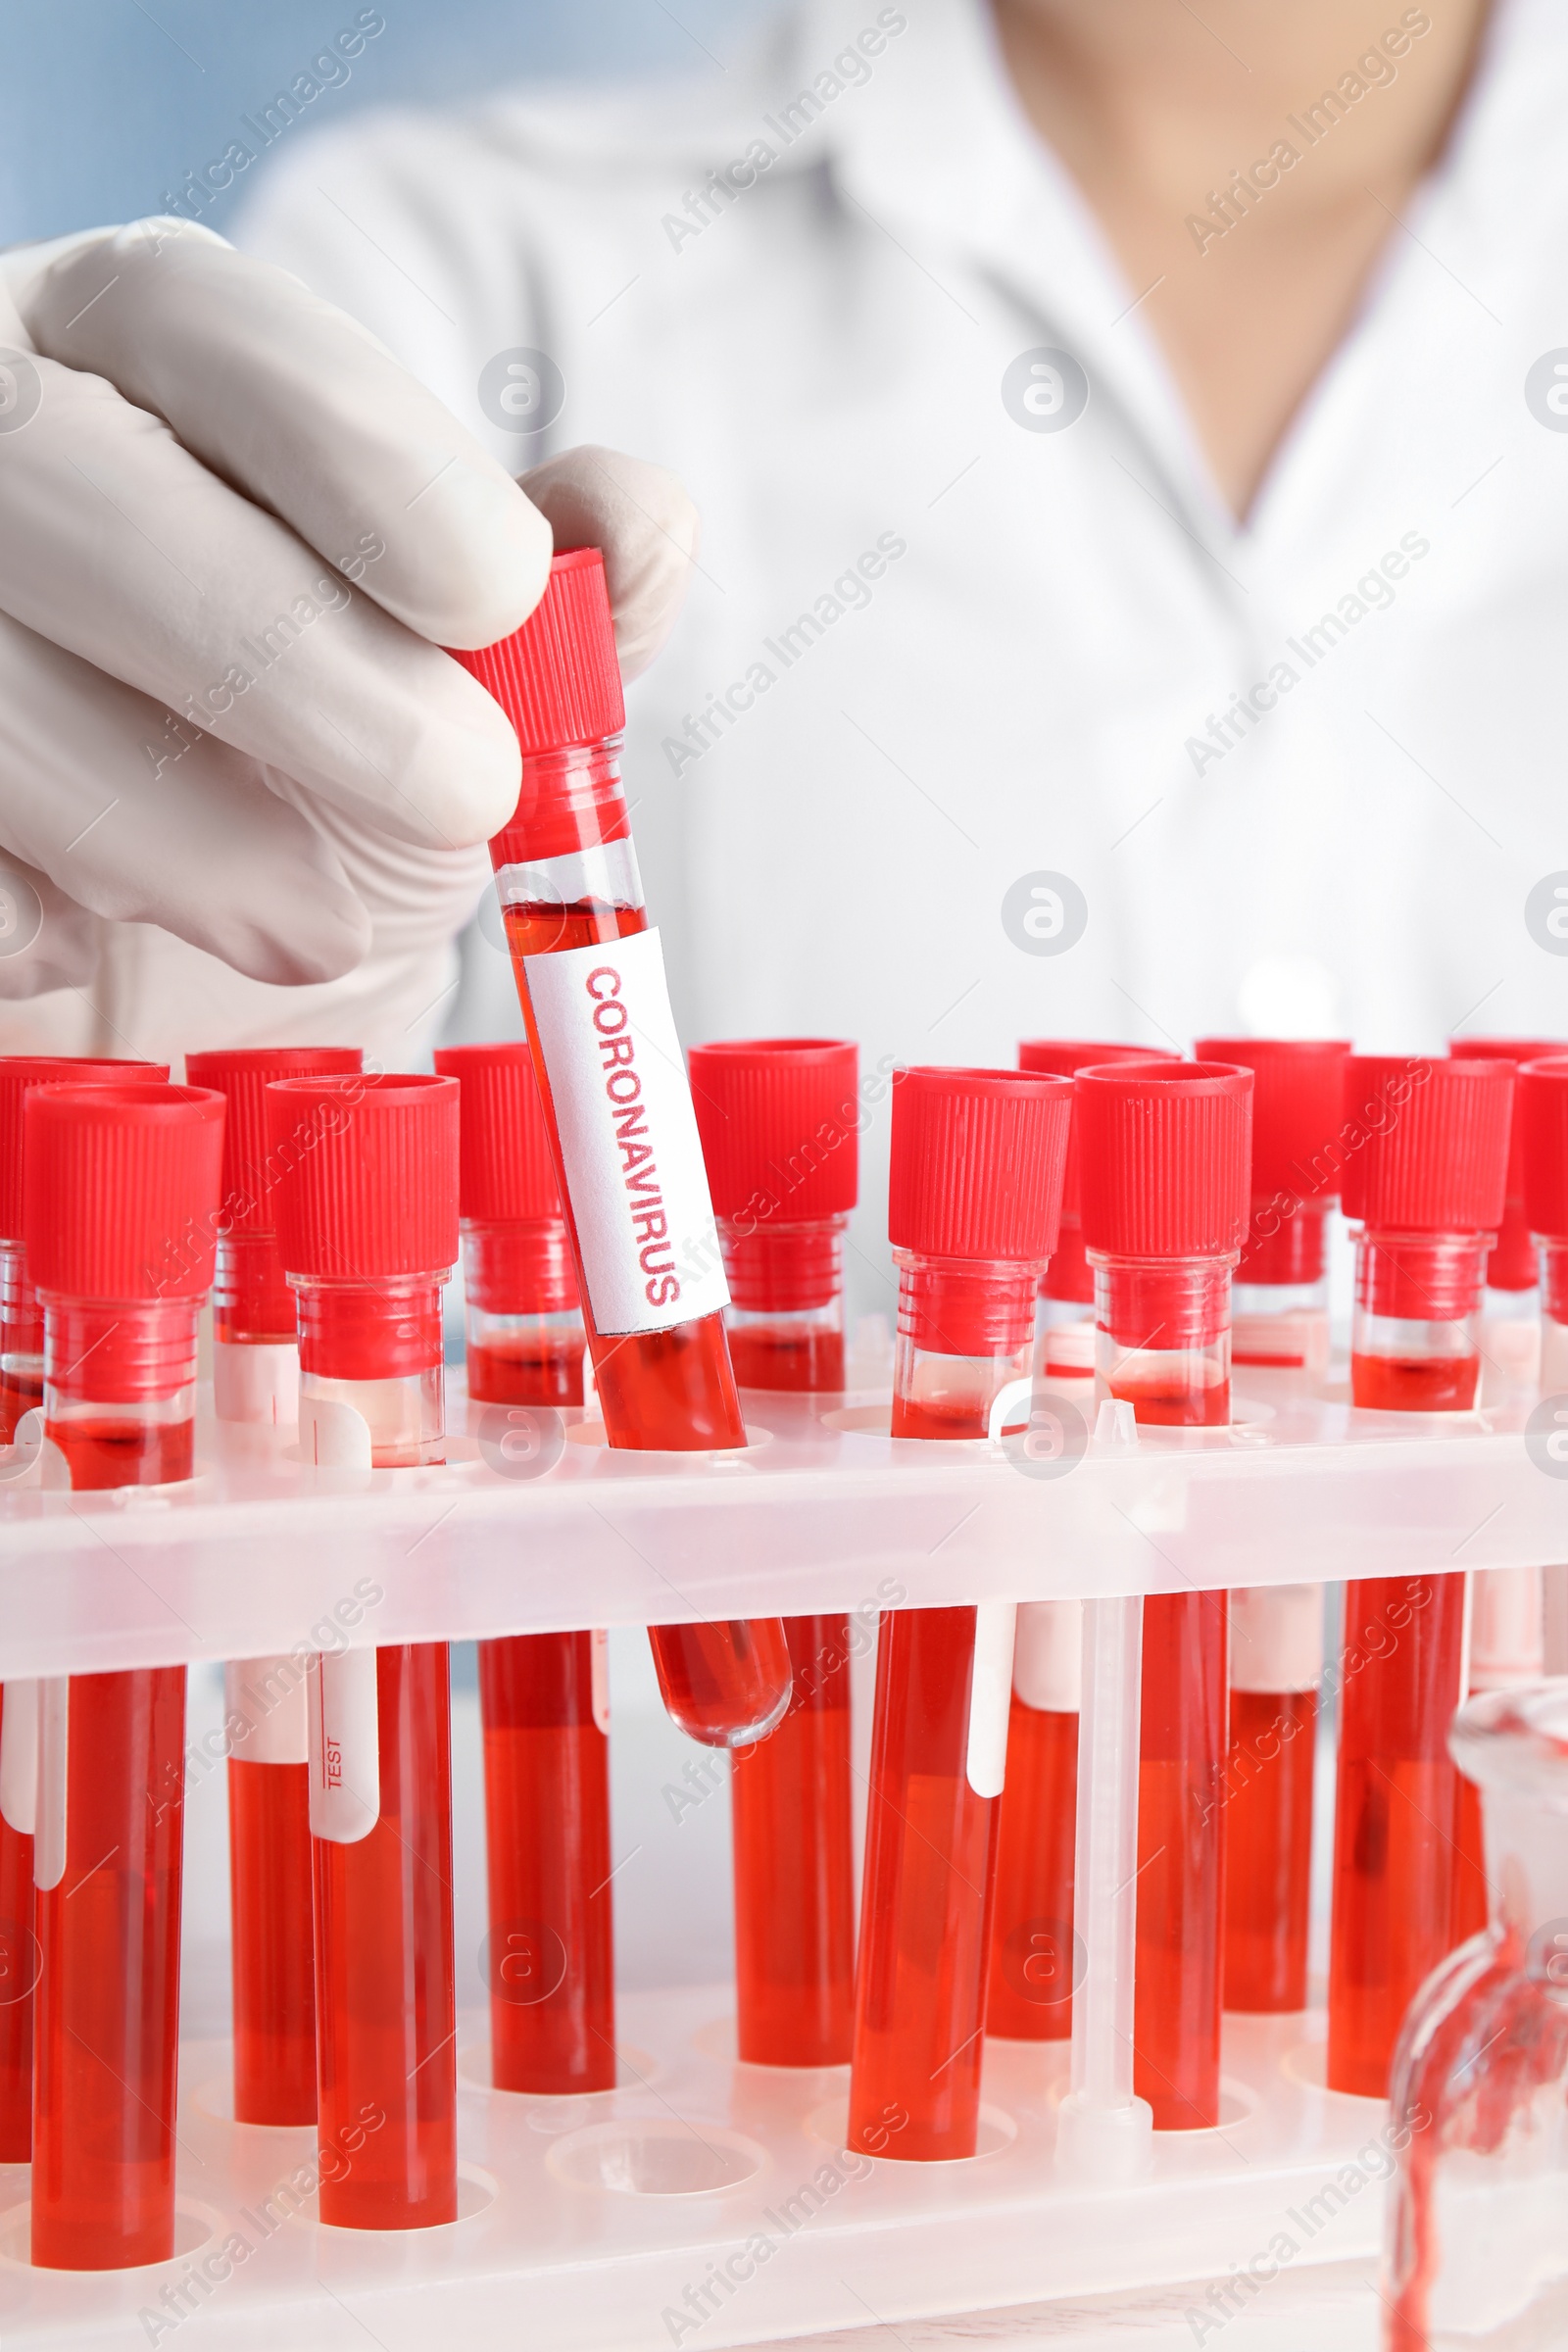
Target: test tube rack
pixel 705 2202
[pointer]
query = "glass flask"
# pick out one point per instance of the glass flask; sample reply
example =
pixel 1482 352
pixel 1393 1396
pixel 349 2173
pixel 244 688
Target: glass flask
pixel 1476 2249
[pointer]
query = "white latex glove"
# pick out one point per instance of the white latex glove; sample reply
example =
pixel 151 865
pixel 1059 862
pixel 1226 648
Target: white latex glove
pixel 203 724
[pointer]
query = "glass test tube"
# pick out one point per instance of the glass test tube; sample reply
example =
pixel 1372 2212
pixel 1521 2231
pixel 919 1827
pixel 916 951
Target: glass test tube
pixel 590 977
pixel 255 1381
pixel 1511 1270
pixel 1427 1186
pixel 543 1698
pixel 122 1186
pixel 22 1392
pixel 1065 1316
pixel 1165 1175
pixel 978 1159
pixel 368 1226
pixel 20 1315
pixel 1279 1322
pixel 779 1124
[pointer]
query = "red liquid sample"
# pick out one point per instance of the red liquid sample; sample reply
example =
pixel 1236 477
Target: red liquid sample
pixel 386 2019
pixel 270 1902
pixel 930 1867
pixel 17 1397
pixel 664 1389
pixel 107 1449
pixel 1268 1849
pixel 1171 1403
pixel 550 1953
pixel 1504 2038
pixel 793 1870
pixel 1180 1860
pixel 543 1371
pixel 1396 1817
pixel 108 1999
pixel 19 1976
pixel 1030 1995
pixel 550 1960
pixel 810 1361
pixel 1434 1384
pixel 790 1810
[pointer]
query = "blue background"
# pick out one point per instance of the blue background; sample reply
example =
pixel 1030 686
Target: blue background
pixel 106 104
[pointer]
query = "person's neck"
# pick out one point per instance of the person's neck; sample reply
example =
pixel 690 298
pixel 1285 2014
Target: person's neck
pixel 1154 109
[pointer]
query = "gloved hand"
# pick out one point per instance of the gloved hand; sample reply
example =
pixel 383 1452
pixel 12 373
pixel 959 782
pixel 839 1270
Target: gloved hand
pixel 235 534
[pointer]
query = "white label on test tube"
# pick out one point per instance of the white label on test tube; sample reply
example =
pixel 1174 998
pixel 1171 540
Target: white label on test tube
pixel 345 1755
pixel 270 1696
pixel 635 1174
pixel 985 1761
pixel 54 1757
pixel 1276 1638
pixel 332 1434
pixel 257 1381
pixel 1048 1655
pixel 19 1759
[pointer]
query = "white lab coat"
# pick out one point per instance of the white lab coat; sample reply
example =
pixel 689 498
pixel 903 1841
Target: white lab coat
pixel 1029 685
pixel 1030 681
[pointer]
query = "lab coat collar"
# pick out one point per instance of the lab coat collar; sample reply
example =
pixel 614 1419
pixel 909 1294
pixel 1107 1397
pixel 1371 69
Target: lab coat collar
pixel 937 151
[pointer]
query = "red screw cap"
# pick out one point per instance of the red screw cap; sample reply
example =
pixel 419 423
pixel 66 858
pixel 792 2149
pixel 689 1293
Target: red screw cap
pixel 1166 1165
pixel 1425 1143
pixel 978 1163
pixel 505 1173
pixel 780 1119
pixel 1512 1263
pixel 1540 1122
pixel 1297 1109
pixel 365 1175
pixel 1063 1058
pixel 242 1078
pixel 557 678
pixel 19 1071
pixel 121 1187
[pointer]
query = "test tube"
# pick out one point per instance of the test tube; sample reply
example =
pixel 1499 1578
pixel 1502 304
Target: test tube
pixel 1279 1321
pixel 1426 1165
pixel 591 977
pixel 1541 1122
pixel 779 1121
pixel 1166 1152
pixel 367 1227
pixel 256 1378
pixel 1279 1292
pixel 978 1159
pixel 1511 1295
pixel 120 1200
pixel 21 1317
pixel 1065 1316
pixel 543 1698
pixel 20 1392
pixel 1030 1995
pixel 256 1361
